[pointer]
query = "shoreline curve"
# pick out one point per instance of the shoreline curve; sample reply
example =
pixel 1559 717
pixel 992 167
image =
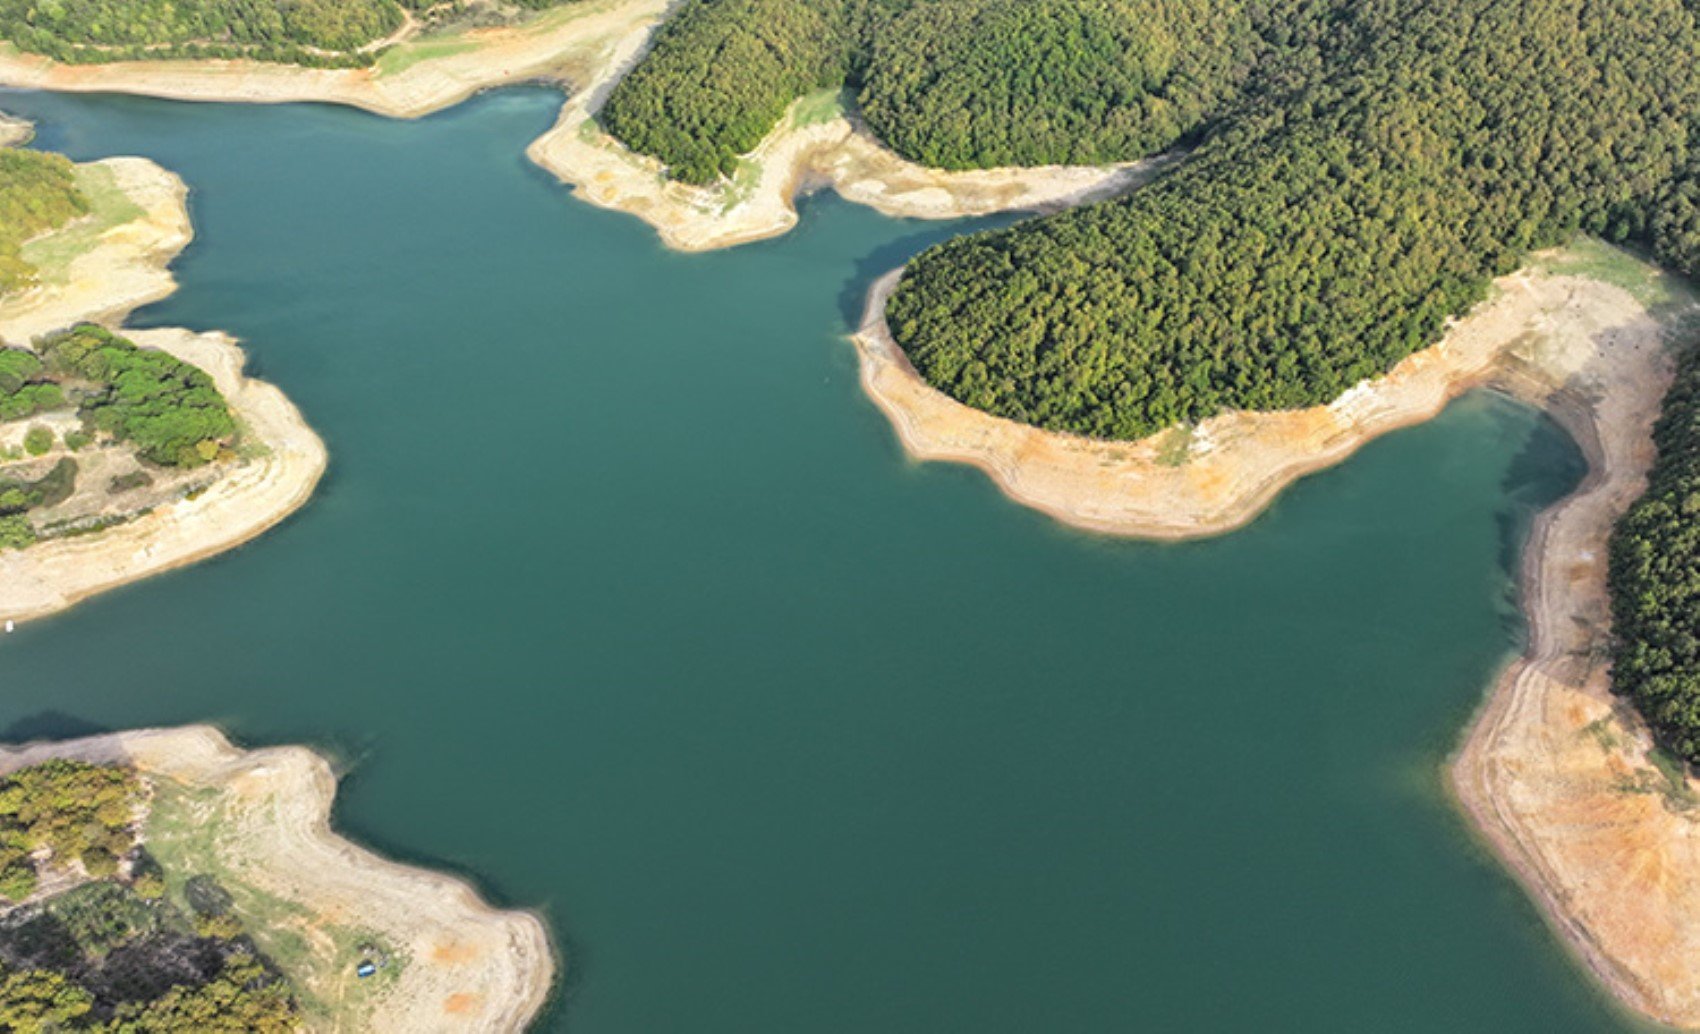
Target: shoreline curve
pixel 1217 477
pixel 1556 774
pixel 127 268
pixel 472 967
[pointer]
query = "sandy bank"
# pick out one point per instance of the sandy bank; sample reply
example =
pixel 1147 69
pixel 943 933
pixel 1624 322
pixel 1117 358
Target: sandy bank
pixel 14 131
pixel 419 77
pixel 1188 483
pixel 468 967
pixel 122 267
pixel 1555 772
pixel 798 156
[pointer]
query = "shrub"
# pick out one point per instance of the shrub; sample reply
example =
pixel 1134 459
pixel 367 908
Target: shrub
pixel 37 440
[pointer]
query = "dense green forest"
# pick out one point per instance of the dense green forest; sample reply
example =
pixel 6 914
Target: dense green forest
pixel 1655 577
pixel 169 411
pixel 113 954
pixel 309 32
pixel 720 76
pixel 1409 151
pixel 951 83
pixel 37 193
pixel 960 85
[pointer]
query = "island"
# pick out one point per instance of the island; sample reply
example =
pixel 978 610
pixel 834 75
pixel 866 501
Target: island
pixel 122 453
pixel 165 880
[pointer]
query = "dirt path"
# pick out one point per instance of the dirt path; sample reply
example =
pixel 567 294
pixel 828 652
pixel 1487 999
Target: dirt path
pixel 118 269
pixel 462 965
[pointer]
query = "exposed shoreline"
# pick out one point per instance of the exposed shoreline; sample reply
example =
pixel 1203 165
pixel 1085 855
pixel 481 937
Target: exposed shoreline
pixel 471 966
pixel 1554 771
pixel 593 46
pixel 1219 476
pixel 15 132
pixel 556 44
pixel 127 268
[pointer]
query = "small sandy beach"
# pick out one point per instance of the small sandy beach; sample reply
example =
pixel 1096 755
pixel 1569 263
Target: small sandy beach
pixel 465 966
pixel 124 266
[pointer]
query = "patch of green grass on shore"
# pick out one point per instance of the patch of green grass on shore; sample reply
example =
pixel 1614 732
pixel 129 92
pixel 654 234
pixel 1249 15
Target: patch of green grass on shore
pixel 184 832
pixel 1663 293
pixel 399 59
pixel 109 206
pixel 1176 446
pixel 816 108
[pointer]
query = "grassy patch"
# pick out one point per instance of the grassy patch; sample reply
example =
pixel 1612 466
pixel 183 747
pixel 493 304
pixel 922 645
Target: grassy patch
pixel 1176 446
pixel 399 59
pixel 1676 778
pixel 1600 730
pixel 1590 257
pixel 745 180
pixel 816 108
pixel 186 832
pixel 109 206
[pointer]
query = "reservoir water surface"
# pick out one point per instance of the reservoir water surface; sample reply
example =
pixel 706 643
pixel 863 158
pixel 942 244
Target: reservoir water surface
pixel 621 598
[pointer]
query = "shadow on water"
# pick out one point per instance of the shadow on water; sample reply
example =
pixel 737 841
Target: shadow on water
pixel 1546 467
pixel 51 725
pixel 853 295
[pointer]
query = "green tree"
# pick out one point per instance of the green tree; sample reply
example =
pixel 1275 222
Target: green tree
pixel 38 440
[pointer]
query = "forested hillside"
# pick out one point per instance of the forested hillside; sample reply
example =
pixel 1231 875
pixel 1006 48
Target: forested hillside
pixel 37 193
pixel 951 83
pixel 1655 577
pixel 960 85
pixel 721 75
pixel 311 32
pixel 1334 227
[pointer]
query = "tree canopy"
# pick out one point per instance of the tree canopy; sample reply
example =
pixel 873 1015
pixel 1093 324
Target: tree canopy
pixel 950 83
pixel 38 192
pixel 1333 227
pixel 168 410
pixel 1655 577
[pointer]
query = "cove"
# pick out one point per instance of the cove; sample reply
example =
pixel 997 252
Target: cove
pixel 621 597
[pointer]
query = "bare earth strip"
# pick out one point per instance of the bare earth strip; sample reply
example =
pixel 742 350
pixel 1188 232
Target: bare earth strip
pixel 14 131
pixel 125 267
pixel 459 964
pixel 593 45
pixel 1556 772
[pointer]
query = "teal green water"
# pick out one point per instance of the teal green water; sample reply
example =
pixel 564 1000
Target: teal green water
pixel 620 597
